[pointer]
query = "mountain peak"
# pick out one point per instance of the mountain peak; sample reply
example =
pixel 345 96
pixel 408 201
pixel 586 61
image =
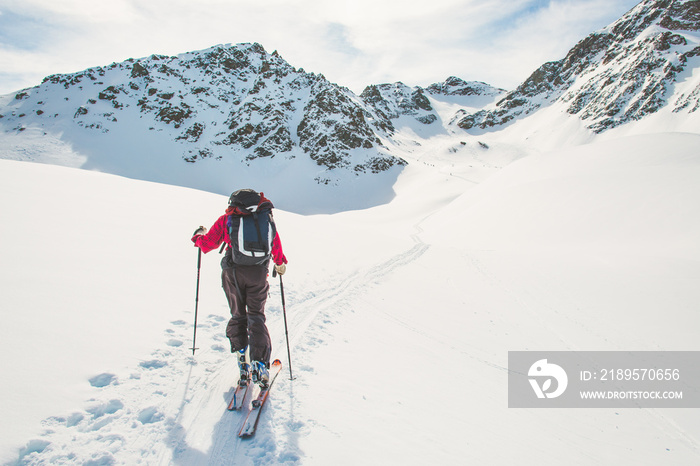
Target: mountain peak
pixel 457 86
pixel 616 75
pixel 674 15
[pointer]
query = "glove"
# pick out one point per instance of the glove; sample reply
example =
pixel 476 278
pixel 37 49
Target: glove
pixel 200 231
pixel 280 269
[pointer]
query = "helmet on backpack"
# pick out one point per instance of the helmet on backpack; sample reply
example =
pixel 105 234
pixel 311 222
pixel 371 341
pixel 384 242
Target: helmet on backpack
pixel 244 198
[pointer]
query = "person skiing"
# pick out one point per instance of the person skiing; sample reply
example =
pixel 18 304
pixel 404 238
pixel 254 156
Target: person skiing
pixel 251 238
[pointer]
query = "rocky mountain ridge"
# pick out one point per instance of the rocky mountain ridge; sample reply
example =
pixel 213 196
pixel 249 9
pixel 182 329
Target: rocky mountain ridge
pixel 623 73
pixel 234 101
pixel 227 99
pixel 392 101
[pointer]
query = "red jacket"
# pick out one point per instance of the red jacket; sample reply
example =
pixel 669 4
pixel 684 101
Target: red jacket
pixel 218 234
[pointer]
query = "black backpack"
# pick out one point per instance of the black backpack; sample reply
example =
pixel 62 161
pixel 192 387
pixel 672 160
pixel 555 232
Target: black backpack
pixel 251 227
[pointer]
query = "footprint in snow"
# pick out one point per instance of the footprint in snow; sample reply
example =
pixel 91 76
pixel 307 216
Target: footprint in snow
pixel 174 343
pixel 74 419
pixel 68 421
pixel 105 460
pixel 295 426
pixel 153 364
pixel 103 380
pixel 150 415
pixel 33 446
pixel 289 457
pixel 109 407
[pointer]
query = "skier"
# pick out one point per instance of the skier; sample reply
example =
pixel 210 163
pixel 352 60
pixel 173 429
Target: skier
pixel 244 275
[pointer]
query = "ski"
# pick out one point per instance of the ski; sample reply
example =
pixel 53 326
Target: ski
pixel 251 421
pixel 238 396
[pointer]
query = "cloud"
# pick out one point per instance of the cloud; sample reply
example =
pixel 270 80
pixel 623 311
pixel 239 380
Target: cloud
pixel 547 33
pixel 353 43
pixel 337 39
pixel 409 41
pixel 500 42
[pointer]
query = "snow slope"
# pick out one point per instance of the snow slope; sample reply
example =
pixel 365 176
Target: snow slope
pixel 401 316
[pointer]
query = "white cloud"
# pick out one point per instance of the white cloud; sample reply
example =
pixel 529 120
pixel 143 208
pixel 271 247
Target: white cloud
pixel 353 43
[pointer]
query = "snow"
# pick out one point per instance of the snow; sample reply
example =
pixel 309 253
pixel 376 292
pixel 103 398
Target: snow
pixel 400 316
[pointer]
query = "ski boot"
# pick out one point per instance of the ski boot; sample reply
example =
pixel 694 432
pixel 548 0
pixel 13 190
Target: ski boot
pixel 243 367
pixel 260 374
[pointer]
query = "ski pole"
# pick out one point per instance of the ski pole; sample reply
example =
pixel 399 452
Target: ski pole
pixel 286 330
pixel 196 300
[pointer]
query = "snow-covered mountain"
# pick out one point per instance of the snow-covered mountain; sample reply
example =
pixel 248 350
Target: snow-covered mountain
pixel 391 101
pixel 434 107
pixel 233 115
pixel 231 106
pixel 227 99
pixel 639 64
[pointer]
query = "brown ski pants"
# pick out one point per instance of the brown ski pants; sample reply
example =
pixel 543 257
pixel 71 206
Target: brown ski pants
pixel 247 302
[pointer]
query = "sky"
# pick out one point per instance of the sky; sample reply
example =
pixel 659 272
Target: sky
pixel 353 43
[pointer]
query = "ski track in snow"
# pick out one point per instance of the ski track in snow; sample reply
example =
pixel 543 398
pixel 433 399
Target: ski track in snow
pixel 311 329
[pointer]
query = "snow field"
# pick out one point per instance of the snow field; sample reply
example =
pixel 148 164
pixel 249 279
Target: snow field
pixel 400 316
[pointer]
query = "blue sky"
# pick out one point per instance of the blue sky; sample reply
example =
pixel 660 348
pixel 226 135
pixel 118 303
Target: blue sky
pixel 353 43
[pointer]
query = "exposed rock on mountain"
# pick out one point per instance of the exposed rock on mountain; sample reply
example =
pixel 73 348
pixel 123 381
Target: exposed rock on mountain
pixel 613 76
pixel 327 139
pixel 459 87
pixel 392 101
